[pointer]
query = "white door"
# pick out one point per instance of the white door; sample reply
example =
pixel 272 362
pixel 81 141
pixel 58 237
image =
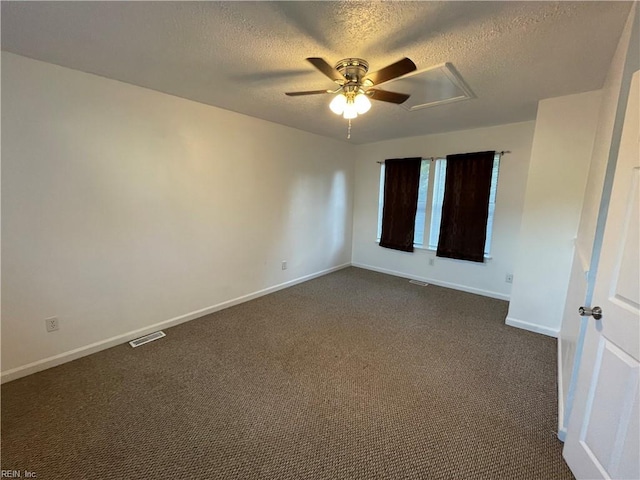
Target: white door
pixel 604 428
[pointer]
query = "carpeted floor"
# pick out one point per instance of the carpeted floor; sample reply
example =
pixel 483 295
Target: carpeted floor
pixel 355 375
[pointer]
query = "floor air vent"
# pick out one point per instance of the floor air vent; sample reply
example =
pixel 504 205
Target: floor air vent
pixel 418 282
pixel 147 338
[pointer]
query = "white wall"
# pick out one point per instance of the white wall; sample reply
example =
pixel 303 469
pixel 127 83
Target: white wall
pixel 123 208
pixel 484 278
pixel 562 144
pixel 607 138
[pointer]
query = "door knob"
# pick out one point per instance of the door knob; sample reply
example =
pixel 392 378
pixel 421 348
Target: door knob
pixel 595 312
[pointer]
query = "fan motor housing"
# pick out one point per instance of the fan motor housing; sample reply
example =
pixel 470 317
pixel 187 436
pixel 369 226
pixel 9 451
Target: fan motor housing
pixel 353 69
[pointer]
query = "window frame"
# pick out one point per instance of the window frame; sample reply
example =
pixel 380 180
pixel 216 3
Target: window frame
pixel 434 170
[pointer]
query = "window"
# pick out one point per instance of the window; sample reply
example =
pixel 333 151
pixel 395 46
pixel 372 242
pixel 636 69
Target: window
pixel 438 197
pixel 434 190
pixel 421 213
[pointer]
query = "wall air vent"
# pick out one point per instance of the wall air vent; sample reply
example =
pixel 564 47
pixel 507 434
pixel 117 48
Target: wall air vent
pixel 147 338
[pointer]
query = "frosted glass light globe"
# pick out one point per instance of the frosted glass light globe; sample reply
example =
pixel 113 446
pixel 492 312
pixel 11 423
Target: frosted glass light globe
pixel 338 104
pixel 362 103
pixel 350 110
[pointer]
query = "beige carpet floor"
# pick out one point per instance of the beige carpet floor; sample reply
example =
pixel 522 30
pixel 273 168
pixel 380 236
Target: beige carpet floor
pixel 354 375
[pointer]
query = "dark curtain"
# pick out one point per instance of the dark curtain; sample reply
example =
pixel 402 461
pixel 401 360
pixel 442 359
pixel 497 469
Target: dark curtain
pixel 401 181
pixel 465 207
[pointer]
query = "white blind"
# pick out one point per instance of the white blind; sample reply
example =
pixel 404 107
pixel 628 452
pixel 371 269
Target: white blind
pixel 380 202
pixel 421 212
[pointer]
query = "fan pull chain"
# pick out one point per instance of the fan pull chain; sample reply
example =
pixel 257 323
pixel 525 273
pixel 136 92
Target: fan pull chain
pixel 349 130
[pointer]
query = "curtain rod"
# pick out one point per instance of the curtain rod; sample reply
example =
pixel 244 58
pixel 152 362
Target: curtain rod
pixel 501 153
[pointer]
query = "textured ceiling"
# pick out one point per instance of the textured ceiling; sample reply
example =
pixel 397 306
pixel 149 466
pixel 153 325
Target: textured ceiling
pixel 243 56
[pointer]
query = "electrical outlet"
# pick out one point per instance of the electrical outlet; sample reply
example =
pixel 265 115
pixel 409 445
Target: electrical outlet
pixel 509 278
pixel 52 324
pixel 284 264
pixel 432 262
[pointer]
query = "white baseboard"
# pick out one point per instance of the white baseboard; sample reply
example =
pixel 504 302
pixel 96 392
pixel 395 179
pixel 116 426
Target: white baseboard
pixel 532 327
pixel 65 357
pixel 562 434
pixel 454 286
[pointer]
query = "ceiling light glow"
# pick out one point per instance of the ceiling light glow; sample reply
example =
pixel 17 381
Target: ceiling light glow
pixel 350 104
pixel 350 110
pixel 338 104
pixel 362 103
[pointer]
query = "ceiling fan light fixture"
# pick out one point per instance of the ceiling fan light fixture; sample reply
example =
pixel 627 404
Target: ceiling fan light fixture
pixel 338 104
pixel 349 105
pixel 362 103
pixel 350 110
pixel 355 82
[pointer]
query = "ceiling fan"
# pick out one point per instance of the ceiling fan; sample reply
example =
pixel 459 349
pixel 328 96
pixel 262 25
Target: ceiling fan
pixel 356 85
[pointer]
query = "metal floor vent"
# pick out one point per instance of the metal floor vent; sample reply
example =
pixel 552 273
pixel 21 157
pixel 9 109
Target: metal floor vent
pixel 147 338
pixel 418 282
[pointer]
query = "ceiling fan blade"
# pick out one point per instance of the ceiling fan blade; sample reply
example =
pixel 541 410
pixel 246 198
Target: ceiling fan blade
pixel 322 65
pixel 385 96
pixel 310 92
pixel 395 70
